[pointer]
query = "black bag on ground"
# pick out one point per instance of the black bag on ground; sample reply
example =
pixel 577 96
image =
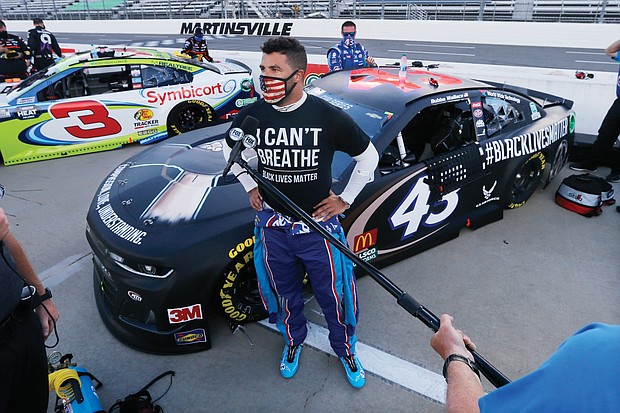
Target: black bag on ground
pixel 585 194
pixel 141 401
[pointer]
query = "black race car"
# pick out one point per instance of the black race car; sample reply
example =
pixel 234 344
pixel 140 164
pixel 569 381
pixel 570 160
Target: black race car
pixel 172 238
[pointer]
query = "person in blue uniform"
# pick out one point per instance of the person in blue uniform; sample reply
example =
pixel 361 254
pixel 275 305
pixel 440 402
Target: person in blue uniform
pixel 297 137
pixel 582 375
pixel 348 54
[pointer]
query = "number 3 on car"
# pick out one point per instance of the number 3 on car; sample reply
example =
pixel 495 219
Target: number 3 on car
pixel 104 98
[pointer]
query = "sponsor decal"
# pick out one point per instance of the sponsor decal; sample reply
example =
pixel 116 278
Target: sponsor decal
pixel 449 98
pixel 502 96
pixel 5 113
pixel 147 132
pixel 525 144
pixel 365 241
pixel 143 114
pixel 488 195
pixel 134 296
pixel 135 72
pixel 245 102
pixel 535 112
pixel 364 245
pixel 475 105
pixel 480 123
pixel 183 314
pixel 192 92
pixel 21 101
pixel 191 337
pixel 246 85
pixel 571 123
pixel 240 28
pixel 27 112
pixel 146 124
pixel 109 217
pixel 478 113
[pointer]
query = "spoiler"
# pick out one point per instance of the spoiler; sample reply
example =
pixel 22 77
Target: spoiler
pixel 543 99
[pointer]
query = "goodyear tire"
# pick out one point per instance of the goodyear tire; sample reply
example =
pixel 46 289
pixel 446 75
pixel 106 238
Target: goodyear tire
pixel 238 293
pixel 189 115
pixel 524 181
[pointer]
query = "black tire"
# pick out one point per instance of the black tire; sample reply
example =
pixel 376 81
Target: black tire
pixel 189 115
pixel 238 296
pixel 524 181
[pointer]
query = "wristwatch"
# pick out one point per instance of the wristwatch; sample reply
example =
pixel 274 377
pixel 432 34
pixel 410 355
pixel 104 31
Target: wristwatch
pixel 457 357
pixel 46 296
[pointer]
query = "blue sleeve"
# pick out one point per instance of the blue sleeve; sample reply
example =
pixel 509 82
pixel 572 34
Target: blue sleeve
pixel 333 59
pixel 583 375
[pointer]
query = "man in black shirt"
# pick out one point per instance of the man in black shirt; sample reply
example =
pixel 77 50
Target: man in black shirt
pixel 297 137
pixel 43 45
pixel 14 55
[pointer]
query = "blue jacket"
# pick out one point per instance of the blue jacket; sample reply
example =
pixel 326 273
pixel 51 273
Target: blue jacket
pixel 340 57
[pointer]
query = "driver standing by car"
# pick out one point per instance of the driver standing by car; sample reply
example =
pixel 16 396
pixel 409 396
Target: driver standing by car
pixel 196 46
pixel 14 55
pixel 297 137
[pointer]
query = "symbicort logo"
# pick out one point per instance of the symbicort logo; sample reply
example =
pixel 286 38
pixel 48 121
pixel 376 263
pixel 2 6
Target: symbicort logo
pixel 218 90
pixel 364 241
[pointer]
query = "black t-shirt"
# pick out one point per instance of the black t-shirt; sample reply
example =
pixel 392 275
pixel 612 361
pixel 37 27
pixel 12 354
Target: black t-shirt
pixel 295 149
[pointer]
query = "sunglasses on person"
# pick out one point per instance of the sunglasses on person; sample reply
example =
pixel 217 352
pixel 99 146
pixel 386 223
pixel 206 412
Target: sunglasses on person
pixel 350 34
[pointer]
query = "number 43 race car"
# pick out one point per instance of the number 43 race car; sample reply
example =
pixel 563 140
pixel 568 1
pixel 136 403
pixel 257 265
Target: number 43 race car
pixel 173 239
pixel 101 99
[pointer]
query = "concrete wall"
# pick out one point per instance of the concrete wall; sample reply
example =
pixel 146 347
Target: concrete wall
pixel 592 97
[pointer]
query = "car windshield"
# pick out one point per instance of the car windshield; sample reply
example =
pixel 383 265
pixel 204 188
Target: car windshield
pixel 31 80
pixel 370 120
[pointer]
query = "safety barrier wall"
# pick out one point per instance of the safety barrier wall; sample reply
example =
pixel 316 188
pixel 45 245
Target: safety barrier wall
pixel 592 97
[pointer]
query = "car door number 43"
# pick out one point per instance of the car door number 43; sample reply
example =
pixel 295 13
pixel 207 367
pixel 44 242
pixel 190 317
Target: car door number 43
pixel 92 119
pixel 415 209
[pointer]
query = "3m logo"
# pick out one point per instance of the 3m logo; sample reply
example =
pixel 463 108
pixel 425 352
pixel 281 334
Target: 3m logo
pixel 180 315
pixel 365 240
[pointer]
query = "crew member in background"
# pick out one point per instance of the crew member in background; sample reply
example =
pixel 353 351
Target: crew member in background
pixel 297 137
pixel 43 45
pixel 348 54
pixel 196 46
pixel 607 133
pixel 14 55
pixel 27 318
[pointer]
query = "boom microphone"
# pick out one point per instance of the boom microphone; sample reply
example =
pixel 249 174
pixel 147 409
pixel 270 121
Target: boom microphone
pixel 247 129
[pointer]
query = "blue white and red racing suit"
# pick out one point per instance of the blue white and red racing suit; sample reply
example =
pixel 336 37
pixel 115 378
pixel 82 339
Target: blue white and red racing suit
pixel 299 251
pixel 341 57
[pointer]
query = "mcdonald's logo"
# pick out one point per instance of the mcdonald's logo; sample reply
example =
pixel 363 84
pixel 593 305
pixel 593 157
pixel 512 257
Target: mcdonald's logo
pixel 365 240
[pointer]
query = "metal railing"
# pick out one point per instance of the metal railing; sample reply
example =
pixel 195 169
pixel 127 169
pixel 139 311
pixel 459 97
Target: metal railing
pixel 604 11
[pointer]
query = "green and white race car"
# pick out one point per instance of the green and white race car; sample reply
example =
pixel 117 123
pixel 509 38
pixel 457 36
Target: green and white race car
pixel 103 98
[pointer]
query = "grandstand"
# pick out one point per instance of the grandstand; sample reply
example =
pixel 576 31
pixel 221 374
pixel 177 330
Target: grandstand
pixel 579 11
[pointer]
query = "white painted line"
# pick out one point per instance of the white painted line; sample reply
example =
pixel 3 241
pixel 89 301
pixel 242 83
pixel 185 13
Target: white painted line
pixel 600 63
pixel 382 364
pixel 314 47
pixel 424 52
pixel 152 43
pixel 53 276
pixel 592 53
pixel 439 46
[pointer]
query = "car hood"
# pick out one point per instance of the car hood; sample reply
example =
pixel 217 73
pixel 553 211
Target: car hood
pixel 172 185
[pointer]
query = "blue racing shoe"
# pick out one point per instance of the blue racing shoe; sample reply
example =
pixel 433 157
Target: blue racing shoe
pixel 355 371
pixel 290 360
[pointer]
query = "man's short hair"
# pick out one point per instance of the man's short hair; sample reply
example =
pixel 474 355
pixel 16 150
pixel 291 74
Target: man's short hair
pixel 347 23
pixel 2 24
pixel 37 20
pixel 294 51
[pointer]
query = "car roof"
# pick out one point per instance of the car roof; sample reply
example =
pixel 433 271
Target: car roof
pixel 380 88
